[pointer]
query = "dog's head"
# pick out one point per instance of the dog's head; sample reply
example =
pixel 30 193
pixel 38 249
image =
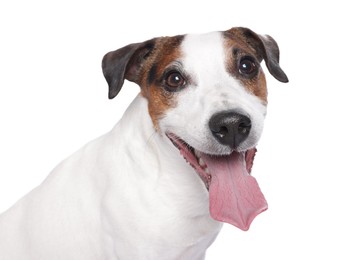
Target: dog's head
pixel 207 93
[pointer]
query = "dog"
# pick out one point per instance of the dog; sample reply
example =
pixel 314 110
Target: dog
pixel 173 169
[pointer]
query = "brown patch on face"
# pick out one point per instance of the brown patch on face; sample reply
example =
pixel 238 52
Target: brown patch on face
pixel 165 52
pixel 236 49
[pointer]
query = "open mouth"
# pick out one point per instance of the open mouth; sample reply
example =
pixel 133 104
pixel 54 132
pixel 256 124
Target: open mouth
pixel 234 195
pixel 196 158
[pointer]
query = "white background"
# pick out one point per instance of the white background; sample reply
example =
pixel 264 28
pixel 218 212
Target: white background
pixel 53 99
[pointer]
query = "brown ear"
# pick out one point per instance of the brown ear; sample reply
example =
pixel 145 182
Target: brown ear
pixel 266 48
pixel 125 63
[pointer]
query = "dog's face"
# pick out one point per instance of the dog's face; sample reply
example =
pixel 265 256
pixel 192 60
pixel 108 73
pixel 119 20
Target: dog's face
pixel 194 83
pixel 219 80
pixel 207 93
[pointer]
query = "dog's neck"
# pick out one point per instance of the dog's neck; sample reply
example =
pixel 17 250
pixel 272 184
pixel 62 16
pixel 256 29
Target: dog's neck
pixel 177 207
pixel 135 123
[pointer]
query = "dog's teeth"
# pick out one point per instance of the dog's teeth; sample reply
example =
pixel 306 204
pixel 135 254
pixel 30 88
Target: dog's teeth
pixel 201 162
pixel 207 170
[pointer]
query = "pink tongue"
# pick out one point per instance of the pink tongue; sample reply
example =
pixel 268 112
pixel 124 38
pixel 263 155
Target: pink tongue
pixel 235 196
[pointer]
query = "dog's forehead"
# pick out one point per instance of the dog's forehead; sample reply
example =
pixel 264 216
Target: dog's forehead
pixel 204 54
pixel 198 46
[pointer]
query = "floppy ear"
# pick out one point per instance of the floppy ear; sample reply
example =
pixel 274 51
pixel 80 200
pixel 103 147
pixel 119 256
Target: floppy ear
pixel 266 48
pixel 125 63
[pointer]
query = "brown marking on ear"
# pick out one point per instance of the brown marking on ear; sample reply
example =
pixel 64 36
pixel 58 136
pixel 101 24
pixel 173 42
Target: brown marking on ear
pixel 166 51
pixel 234 50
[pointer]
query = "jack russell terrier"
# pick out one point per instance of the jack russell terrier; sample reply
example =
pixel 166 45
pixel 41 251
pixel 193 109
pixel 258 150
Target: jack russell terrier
pixel 177 165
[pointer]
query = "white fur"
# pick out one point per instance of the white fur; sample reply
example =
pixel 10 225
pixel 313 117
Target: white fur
pixel 211 90
pixel 129 194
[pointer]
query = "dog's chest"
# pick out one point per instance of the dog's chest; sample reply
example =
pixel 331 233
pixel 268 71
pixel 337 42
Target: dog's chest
pixel 161 232
pixel 166 244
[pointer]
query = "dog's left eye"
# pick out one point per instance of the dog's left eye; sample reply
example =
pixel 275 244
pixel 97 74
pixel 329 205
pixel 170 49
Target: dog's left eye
pixel 174 80
pixel 247 66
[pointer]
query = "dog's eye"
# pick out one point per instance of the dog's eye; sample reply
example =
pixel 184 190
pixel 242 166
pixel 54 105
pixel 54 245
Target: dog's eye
pixel 174 80
pixel 247 66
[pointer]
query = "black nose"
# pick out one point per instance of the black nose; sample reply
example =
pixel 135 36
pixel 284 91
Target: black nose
pixel 230 128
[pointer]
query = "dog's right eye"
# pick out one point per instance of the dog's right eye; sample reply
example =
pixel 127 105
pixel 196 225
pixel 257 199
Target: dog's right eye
pixel 174 80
